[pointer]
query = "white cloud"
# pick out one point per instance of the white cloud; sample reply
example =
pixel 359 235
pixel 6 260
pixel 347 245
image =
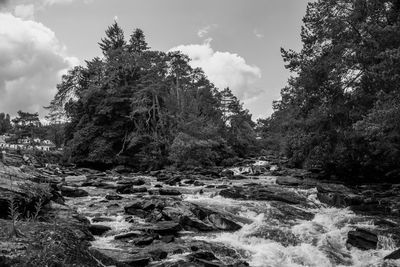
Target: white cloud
pixel 205 30
pixel 258 34
pixel 224 69
pixel 25 11
pixel 53 2
pixel 31 64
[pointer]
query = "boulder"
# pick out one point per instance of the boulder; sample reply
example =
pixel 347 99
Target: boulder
pixel 362 239
pixel 166 228
pixel 223 223
pixel 137 182
pixel 143 241
pixel 169 192
pixel 189 223
pixel 337 195
pixel 132 234
pixel 68 191
pixel 158 254
pixel 395 255
pixel 288 181
pixel 97 229
pixel 113 197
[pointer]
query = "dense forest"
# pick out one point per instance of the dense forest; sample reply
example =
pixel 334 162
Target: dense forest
pixel 340 111
pixel 146 109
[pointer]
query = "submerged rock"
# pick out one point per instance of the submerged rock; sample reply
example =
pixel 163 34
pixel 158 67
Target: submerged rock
pixel 362 239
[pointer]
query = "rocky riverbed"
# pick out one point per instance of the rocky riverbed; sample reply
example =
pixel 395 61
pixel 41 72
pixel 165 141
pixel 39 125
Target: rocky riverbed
pixel 255 214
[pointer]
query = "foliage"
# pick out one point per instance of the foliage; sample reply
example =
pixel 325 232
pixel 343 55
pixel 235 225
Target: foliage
pixel 139 107
pixel 5 123
pixel 339 109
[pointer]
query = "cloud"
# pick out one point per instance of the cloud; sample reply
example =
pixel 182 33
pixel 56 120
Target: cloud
pixel 25 11
pixel 54 2
pixel 258 34
pixel 31 64
pixel 3 2
pixel 205 30
pixel 224 69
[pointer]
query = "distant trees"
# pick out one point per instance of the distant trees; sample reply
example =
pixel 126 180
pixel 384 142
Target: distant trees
pixel 146 108
pixel 5 123
pixel 339 111
pixel 26 125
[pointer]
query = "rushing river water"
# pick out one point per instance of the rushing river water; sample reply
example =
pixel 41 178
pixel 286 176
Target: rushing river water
pixel 272 233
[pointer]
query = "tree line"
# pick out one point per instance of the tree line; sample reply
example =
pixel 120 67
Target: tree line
pixel 147 109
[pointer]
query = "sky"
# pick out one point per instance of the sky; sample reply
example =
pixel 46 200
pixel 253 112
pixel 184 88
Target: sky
pixel 236 42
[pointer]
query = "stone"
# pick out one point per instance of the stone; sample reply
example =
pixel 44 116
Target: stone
pixel 227 173
pixel 166 228
pixel 97 229
pixel 135 190
pixel 132 234
pixel 223 223
pixel 168 238
pixel 137 182
pixel 158 254
pixel 288 181
pixel 362 239
pixel 113 197
pixel 169 192
pixel 68 191
pixel 192 222
pixel 102 219
pixel 395 255
pixel 143 241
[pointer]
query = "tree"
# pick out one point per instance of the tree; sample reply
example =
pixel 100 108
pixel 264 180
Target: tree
pixel 350 57
pixel 143 108
pixel 27 125
pixel 5 123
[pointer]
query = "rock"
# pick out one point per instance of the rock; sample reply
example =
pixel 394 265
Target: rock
pixel 192 222
pixel 223 223
pixel 168 238
pixel 337 195
pixel 266 193
pixel 129 189
pixel 67 191
pixel 102 219
pixel 137 182
pixel 132 234
pixel 204 255
pixel 97 229
pixel 362 239
pixel 135 190
pixel 122 169
pixel 169 192
pixel 198 183
pixel 395 255
pixel 166 228
pixel 143 241
pixel 113 197
pixel 158 254
pixel 119 258
pixel 227 173
pixel 288 181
